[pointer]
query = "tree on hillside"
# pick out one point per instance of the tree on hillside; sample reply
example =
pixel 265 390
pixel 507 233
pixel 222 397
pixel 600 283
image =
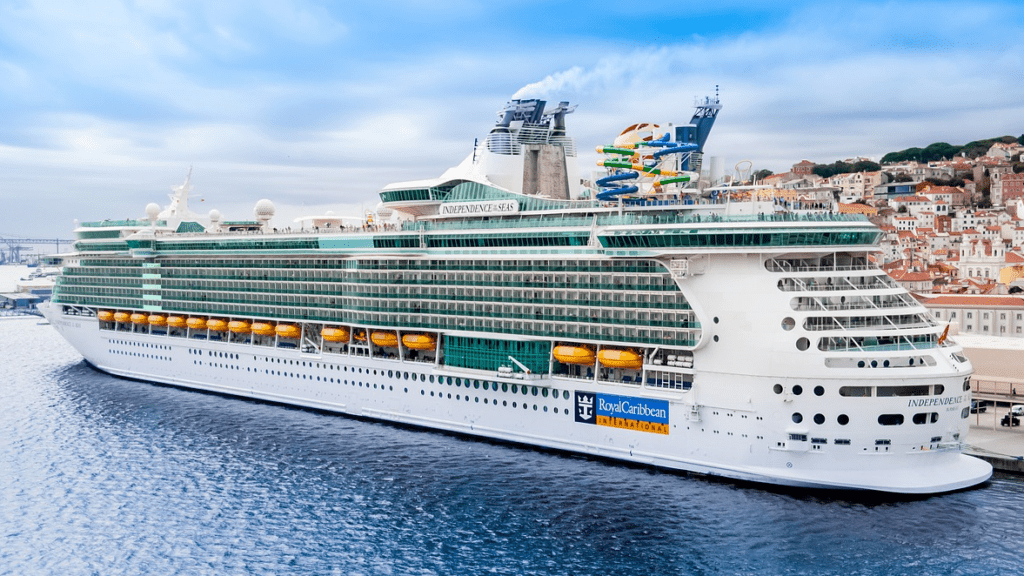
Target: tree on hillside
pixel 899 177
pixel 762 174
pixel 958 182
pixel 1021 140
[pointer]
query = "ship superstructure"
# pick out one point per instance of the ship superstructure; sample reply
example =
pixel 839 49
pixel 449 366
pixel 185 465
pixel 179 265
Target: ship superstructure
pixel 732 331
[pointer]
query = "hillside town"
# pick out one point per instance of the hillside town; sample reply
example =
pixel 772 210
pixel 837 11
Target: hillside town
pixel 954 230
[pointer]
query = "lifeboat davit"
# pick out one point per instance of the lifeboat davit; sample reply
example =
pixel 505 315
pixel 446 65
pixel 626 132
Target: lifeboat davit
pixel 217 325
pixel 333 334
pixel 175 321
pixel 105 315
pixel 239 326
pixel 361 336
pixel 616 358
pixel 262 328
pixel 157 320
pixel 385 339
pixel 574 355
pixel 419 341
pixel 288 331
pixel 122 317
pixel 139 318
pixel 196 323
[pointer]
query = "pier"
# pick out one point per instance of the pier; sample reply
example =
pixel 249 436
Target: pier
pixel 1001 446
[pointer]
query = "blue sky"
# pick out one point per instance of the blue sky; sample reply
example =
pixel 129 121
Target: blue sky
pixel 105 104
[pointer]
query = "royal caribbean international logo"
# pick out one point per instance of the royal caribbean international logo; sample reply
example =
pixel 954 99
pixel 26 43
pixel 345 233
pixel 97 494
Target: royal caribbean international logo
pixel 585 407
pixel 627 412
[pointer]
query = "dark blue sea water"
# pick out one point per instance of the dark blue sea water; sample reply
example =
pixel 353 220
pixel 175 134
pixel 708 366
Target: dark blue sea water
pixel 105 476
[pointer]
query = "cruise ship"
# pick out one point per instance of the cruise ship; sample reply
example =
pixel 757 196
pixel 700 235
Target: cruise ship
pixel 631 312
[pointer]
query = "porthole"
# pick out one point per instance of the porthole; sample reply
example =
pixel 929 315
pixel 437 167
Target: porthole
pixel 777 388
pixel 515 389
pixel 798 417
pixel 715 338
pixel 819 419
pixel 939 389
pixel 874 363
pixel 534 391
pixel 885 364
pixel 798 390
pixel 565 394
pixel 544 392
pixel 476 384
pixel 504 387
pixel 803 344
pixel 788 324
pixel 843 419
pixel 716 319
pixel 890 419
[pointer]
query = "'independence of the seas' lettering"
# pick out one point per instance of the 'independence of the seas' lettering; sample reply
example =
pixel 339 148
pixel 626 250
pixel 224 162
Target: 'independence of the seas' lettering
pixel 486 207
pixel 628 412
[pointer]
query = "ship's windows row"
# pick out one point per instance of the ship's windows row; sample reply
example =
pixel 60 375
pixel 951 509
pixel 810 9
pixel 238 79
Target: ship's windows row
pixel 835 283
pixel 138 354
pixel 888 322
pixel 892 391
pixel 853 302
pixel 835 262
pixel 919 418
pixel 819 419
pixel 881 342
pixel 891 362
pixel 720 239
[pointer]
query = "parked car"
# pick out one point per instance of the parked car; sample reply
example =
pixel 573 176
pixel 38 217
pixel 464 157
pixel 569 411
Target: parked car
pixel 977 407
pixel 1006 421
pixel 1017 410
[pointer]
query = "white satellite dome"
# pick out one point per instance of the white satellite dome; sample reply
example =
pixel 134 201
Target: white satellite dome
pixel 264 210
pixel 384 212
pixel 152 210
pixel 215 215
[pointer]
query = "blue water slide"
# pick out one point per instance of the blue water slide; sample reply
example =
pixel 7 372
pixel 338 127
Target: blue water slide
pixel 613 193
pixel 660 142
pixel 675 149
pixel 630 175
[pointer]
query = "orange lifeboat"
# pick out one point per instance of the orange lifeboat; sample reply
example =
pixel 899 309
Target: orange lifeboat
pixel 105 315
pixel 262 328
pixel 176 321
pixel 384 338
pixel 157 320
pixel 335 334
pixel 217 325
pixel 616 358
pixel 567 354
pixel 239 326
pixel 196 323
pixel 288 331
pixel 139 318
pixel 122 317
pixel 419 341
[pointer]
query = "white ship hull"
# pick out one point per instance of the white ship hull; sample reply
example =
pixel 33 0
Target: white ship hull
pixel 737 433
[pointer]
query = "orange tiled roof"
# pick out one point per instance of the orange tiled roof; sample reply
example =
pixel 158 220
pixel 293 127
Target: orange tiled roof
pixel 857 209
pixel 981 301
